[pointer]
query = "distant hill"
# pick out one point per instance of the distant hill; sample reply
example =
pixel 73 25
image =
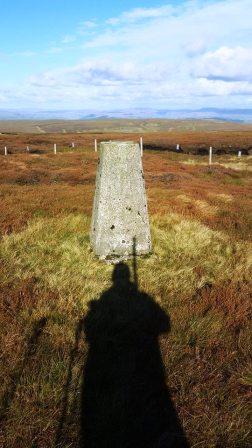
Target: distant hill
pixel 236 115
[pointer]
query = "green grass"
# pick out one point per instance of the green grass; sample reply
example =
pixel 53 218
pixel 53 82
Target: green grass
pixel 57 253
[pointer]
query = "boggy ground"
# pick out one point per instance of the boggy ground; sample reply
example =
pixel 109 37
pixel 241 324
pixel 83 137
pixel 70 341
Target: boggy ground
pixel 60 317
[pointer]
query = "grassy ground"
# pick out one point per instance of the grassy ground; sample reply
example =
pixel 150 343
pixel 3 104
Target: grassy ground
pixel 198 273
pixel 119 125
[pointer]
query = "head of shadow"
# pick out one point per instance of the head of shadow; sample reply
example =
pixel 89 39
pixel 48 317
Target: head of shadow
pixel 125 400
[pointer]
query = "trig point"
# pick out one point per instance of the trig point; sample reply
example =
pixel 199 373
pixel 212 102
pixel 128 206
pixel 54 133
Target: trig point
pixel 120 215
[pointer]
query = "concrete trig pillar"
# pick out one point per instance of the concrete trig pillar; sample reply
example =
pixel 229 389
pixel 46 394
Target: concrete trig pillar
pixel 239 153
pixel 120 214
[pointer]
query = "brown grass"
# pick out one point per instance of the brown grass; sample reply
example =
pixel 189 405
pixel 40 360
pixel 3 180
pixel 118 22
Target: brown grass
pixel 198 273
pixel 228 141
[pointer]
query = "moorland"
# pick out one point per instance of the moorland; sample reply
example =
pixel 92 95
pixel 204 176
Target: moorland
pixel 198 274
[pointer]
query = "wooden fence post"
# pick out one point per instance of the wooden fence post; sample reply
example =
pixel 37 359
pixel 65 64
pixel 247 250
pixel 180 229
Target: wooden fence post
pixel 141 146
pixel 210 155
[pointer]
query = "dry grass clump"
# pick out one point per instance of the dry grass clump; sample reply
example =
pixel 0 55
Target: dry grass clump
pixel 203 206
pixel 237 165
pixel 194 162
pixel 221 197
pixel 57 253
pixel 229 162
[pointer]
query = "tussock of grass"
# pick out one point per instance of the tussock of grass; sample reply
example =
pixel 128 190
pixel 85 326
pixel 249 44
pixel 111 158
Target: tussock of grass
pixel 202 206
pixel 205 208
pixel 184 247
pixel 194 162
pixel 232 163
pixel 237 166
pixel 57 253
pixel 184 198
pixel 222 197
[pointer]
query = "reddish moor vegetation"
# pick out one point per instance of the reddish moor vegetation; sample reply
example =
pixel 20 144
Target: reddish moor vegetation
pixel 194 141
pixel 198 273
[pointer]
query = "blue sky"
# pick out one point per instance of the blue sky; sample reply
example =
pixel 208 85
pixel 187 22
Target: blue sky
pixel 112 54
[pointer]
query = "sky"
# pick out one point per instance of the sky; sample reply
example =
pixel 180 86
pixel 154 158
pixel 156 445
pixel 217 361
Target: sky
pixel 111 54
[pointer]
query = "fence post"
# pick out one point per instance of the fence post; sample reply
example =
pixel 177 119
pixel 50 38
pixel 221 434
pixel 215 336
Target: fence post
pixel 95 145
pixel 141 146
pixel 5 151
pixel 210 155
pixel 178 147
pixel 239 153
pixel 72 144
pixel 55 148
pixel 27 149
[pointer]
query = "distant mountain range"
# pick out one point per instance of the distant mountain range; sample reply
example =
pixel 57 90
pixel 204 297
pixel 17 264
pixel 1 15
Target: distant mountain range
pixel 236 115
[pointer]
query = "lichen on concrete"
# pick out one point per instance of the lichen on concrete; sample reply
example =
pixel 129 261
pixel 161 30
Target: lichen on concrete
pixel 120 214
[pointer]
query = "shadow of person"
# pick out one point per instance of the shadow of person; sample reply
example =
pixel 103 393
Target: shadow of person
pixel 125 402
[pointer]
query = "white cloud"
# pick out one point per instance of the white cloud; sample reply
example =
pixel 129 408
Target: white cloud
pixel 3 97
pixel 195 48
pixel 223 21
pixel 138 14
pixel 194 55
pixel 227 64
pixel 86 26
pixel 68 39
pixel 102 72
pixel 218 88
pixel 89 24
